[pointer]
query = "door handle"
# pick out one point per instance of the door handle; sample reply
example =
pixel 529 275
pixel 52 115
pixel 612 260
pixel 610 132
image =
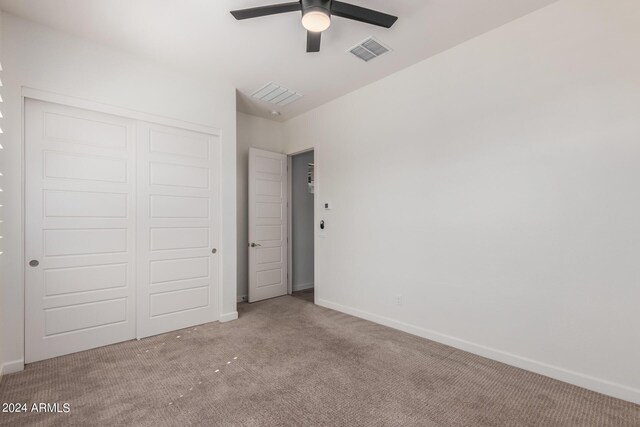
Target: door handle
pixel 255 245
pixel 34 263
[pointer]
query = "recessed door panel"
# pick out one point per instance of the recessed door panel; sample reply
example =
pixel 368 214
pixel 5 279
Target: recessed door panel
pixel 269 210
pixel 69 280
pixel 82 130
pixel 84 242
pixel 175 302
pixel 179 207
pixel 171 270
pixel 166 238
pixel 172 175
pixel 180 143
pixel 269 187
pixel 269 255
pixel 268 165
pixel 269 278
pixel 84 167
pixel 84 204
pixel 81 317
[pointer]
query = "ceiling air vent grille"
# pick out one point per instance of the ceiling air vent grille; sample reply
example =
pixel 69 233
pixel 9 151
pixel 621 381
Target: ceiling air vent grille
pixel 277 95
pixel 369 49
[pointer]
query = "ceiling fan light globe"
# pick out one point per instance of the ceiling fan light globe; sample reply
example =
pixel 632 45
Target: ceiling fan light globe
pixel 316 19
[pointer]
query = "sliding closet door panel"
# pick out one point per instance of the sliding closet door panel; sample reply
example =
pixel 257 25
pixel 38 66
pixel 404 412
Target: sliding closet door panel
pixel 178 228
pixel 80 237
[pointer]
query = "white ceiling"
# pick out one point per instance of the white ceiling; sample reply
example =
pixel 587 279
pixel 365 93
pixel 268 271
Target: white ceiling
pixel 201 35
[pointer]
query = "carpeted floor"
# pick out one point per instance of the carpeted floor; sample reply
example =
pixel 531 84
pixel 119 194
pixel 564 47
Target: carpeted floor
pixel 288 362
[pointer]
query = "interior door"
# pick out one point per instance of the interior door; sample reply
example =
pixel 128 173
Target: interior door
pixel 178 228
pixel 267 224
pixel 79 230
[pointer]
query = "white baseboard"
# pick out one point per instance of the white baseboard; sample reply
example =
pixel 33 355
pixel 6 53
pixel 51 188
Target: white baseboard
pixel 12 367
pixel 302 287
pixel 243 298
pixel 576 378
pixel 228 317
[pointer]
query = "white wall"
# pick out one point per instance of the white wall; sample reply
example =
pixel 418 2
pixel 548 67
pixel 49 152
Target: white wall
pixel 302 222
pixel 37 57
pixel 258 133
pixel 495 187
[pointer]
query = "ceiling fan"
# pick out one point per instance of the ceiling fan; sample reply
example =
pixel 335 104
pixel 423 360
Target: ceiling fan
pixel 316 16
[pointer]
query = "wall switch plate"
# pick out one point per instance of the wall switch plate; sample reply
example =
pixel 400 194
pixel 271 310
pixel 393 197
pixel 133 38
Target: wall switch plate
pixel 399 300
pixel 327 206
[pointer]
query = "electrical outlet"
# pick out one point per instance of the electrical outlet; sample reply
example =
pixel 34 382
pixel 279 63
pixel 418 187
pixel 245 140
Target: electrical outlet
pixel 399 300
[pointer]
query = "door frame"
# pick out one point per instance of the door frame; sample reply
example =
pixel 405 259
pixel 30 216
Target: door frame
pixel 70 101
pixel 290 220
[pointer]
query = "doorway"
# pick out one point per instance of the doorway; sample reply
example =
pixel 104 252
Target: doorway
pixel 281 224
pixel 301 225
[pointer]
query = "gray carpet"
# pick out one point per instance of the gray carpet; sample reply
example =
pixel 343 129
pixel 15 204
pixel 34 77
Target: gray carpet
pixel 299 364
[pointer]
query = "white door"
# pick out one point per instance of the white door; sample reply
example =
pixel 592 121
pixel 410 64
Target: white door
pixel 178 228
pixel 267 225
pixel 79 218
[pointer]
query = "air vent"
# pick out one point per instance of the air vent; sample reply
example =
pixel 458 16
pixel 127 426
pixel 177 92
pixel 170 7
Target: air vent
pixel 277 95
pixel 369 49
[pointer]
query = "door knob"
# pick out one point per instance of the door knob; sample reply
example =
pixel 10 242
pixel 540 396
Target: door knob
pixel 34 263
pixel 214 250
pixel 255 245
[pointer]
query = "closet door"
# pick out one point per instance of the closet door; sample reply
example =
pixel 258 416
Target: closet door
pixel 178 228
pixel 79 230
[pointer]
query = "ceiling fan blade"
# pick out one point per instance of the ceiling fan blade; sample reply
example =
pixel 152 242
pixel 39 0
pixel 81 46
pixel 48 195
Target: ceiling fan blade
pixel 313 41
pixel 274 9
pixel 362 14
